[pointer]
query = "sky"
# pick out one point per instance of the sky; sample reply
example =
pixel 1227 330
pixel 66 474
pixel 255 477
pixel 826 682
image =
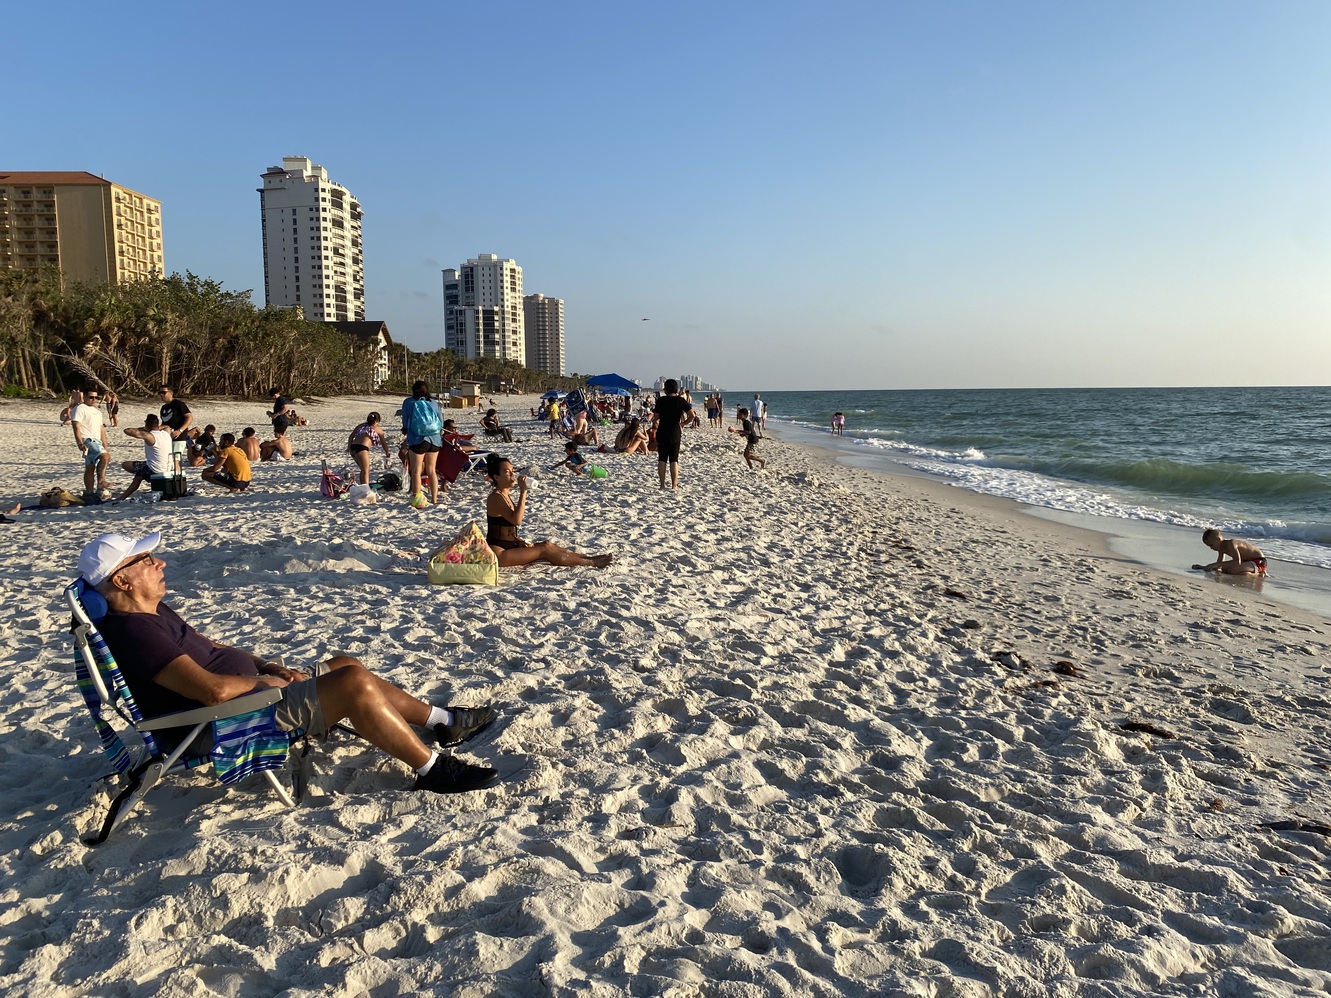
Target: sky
pixel 839 195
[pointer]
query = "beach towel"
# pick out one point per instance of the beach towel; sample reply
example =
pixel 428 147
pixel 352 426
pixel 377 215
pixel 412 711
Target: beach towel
pixel 451 462
pixel 248 744
pixel 466 559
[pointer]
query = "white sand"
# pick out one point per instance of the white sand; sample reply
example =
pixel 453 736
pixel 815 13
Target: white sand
pixel 765 753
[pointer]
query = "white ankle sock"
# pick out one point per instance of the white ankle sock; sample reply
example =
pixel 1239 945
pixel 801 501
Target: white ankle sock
pixel 439 715
pixel 434 756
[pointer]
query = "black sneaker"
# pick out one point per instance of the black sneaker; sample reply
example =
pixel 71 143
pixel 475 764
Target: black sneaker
pixel 468 722
pixel 449 775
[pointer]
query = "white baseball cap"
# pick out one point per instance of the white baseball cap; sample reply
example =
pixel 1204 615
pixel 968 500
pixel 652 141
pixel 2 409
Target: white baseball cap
pixel 100 556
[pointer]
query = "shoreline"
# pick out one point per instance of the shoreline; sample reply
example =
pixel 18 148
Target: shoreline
pixel 817 731
pixel 1162 547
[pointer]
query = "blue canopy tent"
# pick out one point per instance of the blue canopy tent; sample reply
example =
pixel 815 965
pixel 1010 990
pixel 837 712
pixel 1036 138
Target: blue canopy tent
pixel 604 381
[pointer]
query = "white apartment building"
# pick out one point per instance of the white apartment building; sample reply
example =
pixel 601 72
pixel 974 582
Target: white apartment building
pixel 544 318
pixel 311 243
pixel 470 331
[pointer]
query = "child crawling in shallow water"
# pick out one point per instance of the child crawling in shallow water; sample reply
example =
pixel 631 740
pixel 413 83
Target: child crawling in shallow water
pixel 1244 558
pixel 503 517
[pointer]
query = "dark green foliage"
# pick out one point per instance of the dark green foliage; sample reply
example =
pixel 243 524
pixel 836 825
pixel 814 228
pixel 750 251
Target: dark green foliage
pixel 186 331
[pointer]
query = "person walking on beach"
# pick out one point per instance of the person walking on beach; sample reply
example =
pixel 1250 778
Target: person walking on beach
pixel 667 422
pixel 113 408
pixel 1244 558
pixel 423 427
pixel 758 413
pixel 157 460
pixel 751 437
pixel 552 413
pixel 171 667
pixel 90 435
pixel 838 424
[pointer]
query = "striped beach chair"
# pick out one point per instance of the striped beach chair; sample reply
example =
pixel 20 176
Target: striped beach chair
pixel 246 739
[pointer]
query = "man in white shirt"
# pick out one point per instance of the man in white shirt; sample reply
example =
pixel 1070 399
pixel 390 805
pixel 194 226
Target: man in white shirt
pixel 90 435
pixel 158 460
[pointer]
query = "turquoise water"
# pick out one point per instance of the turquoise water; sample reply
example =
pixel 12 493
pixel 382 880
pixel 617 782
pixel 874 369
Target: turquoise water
pixel 1255 462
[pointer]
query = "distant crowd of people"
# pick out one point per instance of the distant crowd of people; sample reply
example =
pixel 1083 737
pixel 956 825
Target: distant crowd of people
pixel 171 442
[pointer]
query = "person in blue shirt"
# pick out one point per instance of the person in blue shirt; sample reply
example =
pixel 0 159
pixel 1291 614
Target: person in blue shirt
pixel 423 426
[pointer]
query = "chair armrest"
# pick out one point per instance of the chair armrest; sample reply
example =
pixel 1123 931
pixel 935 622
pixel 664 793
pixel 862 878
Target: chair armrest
pixel 200 715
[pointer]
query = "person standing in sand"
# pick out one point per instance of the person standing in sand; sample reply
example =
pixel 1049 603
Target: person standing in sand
pixel 171 667
pixel 424 439
pixel 90 435
pixel 369 434
pixel 1244 558
pixel 503 517
pixel 667 423
pixel 281 413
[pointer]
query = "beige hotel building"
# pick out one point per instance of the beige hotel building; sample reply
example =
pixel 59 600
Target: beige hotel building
pixel 90 228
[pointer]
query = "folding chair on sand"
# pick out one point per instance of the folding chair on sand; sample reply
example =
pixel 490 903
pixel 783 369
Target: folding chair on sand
pixel 246 739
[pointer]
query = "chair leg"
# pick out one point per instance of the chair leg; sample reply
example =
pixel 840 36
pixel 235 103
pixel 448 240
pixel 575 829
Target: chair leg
pixel 141 781
pixel 278 789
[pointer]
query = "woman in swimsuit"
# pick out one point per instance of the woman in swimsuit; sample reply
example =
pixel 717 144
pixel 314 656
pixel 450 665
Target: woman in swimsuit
pixel 363 437
pixel 631 439
pixel 503 517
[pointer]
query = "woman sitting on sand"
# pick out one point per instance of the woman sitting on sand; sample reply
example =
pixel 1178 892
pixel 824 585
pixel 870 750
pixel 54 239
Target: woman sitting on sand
pixel 631 439
pixel 368 434
pixel 503 517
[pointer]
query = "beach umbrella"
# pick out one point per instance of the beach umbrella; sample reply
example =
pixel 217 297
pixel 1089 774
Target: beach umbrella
pixel 554 395
pixel 604 381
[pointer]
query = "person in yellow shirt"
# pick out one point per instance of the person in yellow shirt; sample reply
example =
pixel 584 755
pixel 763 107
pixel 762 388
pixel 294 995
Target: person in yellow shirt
pixel 232 467
pixel 553 414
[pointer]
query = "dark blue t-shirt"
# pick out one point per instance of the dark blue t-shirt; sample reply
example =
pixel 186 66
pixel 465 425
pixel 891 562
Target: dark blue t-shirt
pixel 146 643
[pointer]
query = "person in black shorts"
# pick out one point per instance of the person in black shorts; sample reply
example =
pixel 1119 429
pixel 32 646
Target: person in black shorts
pixel 176 420
pixel 751 438
pixel 666 421
pixel 282 414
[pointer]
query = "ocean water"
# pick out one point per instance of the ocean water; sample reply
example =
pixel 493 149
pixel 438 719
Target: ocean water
pixel 1255 462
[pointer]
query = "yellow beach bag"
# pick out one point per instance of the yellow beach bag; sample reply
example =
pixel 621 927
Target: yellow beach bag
pixel 465 560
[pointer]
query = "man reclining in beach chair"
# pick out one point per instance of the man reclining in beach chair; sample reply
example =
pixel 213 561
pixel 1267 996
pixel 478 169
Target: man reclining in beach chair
pixel 169 668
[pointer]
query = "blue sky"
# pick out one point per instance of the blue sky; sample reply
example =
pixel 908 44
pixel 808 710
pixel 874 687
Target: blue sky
pixel 837 195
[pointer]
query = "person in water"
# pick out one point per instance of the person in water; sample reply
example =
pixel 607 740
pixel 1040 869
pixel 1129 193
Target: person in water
pixel 503 517
pixel 1244 558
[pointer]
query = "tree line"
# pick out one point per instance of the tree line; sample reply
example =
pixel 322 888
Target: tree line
pixel 195 335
